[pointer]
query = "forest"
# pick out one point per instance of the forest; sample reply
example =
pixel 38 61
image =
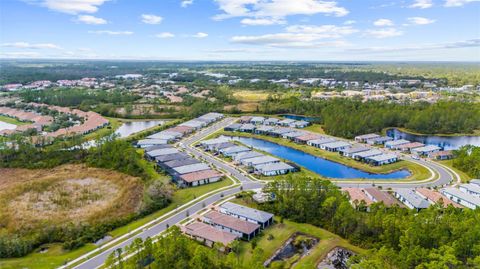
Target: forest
pixel 350 117
pixel 467 159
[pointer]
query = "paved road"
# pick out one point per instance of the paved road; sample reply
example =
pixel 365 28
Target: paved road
pixel 246 183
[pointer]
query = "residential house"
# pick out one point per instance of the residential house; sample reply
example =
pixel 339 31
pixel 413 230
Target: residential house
pixel 265 159
pixel 441 155
pixel 247 128
pixel 151 155
pixel 264 129
pixel 274 169
pixel 357 195
pixel 335 146
pixel 292 135
pixel 318 142
pixel 435 197
pixel 426 150
pixel 307 137
pixel 286 122
pixel 395 143
pixel 182 170
pixel 199 178
pixel 241 228
pixel 348 152
pixel 231 151
pixel 262 218
pixel 257 120
pixel 247 155
pixel 233 127
pixel 271 121
pixel 378 196
pixel 208 235
pixel 145 143
pixel 409 146
pixel 364 138
pixel 472 189
pixel 461 198
pixel 382 159
pixel 412 200
pixel 379 140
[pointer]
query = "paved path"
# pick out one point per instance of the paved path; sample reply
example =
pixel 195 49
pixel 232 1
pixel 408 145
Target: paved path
pixel 444 177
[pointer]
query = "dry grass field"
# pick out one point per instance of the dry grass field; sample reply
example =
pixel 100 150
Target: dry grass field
pixel 250 96
pixel 66 194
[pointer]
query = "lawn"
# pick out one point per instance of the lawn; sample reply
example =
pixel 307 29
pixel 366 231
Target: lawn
pixel 418 172
pixel 463 176
pixel 56 256
pixel 316 128
pixel 13 120
pixel 280 232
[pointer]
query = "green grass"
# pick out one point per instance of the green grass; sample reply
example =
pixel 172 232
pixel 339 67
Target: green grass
pixel 463 176
pixel 316 128
pixel 281 232
pixel 56 256
pixel 114 125
pixel 13 120
pixel 418 172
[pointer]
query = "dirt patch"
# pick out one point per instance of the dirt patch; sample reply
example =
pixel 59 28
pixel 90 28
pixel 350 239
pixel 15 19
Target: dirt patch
pixel 66 194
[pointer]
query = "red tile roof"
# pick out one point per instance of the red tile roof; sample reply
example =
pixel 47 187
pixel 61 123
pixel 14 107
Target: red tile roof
pixel 200 175
pixel 357 194
pixel 232 222
pixel 202 230
pixel 435 197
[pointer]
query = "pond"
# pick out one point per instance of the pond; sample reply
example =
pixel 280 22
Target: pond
pixel 318 165
pixel 297 246
pixel 300 117
pixel 445 142
pixel 7 126
pixel 132 127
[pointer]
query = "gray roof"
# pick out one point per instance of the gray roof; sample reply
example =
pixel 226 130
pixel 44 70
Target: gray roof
pixel 271 120
pixel 274 167
pixel 215 141
pixel 247 155
pixel 416 200
pixel 257 118
pixel 234 126
pixel 427 148
pixel 383 157
pixel 247 126
pixel 170 157
pixel 224 145
pixel 236 209
pixel 464 196
pixel 294 134
pixel 282 130
pixel 146 142
pixel 475 181
pixel 337 144
pixel 234 149
pixel 397 142
pixel 383 139
pixel 301 123
pixel 264 128
pixel 161 136
pixel 212 115
pixel 260 160
pixel 369 153
pixel 158 147
pixel 160 152
pixel 287 121
pixel 354 149
pixel 181 162
pixel 322 141
pixel 471 187
pixel 366 136
pixel 191 168
pixel 193 123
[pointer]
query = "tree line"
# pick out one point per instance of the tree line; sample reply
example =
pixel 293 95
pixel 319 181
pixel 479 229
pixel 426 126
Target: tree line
pixel 351 117
pixel 467 159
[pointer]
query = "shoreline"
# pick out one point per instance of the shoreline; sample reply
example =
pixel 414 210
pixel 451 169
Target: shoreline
pixel 410 132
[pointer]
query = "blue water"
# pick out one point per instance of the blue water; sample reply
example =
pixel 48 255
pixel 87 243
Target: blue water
pixel 318 165
pixel 445 142
pixel 300 117
pixel 132 127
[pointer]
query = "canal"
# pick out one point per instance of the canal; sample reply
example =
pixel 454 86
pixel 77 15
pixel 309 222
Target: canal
pixel 445 142
pixel 320 166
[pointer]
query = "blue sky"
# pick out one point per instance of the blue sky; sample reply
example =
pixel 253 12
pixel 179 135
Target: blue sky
pixel 344 30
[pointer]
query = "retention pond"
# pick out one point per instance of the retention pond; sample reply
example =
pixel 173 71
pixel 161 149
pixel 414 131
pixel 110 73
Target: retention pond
pixel 323 167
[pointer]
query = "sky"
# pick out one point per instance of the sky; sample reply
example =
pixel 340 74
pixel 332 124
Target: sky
pixel 285 30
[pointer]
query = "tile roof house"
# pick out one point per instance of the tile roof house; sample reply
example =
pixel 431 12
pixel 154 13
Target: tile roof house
pixel 199 178
pixel 242 228
pixel 207 234
pixel 435 197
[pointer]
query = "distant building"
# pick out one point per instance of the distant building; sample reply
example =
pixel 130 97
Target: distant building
pixel 364 138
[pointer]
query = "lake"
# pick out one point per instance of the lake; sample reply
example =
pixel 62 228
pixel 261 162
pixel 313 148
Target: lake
pixel 7 126
pixel 446 142
pixel 300 117
pixel 131 127
pixel 318 165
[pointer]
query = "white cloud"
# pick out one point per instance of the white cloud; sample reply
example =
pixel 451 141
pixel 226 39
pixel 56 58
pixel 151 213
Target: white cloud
pixel 349 22
pixel 276 9
pixel 89 19
pixel 200 35
pixel 186 3
pixel 458 3
pixel 151 19
pixel 420 20
pixel 108 32
pixel 25 54
pixel 165 35
pixel 300 36
pixel 26 45
pixel 262 21
pixel 383 22
pixel 384 33
pixel 70 6
pixel 453 45
pixel 422 4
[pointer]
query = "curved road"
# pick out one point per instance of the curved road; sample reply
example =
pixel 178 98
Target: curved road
pixel 246 184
